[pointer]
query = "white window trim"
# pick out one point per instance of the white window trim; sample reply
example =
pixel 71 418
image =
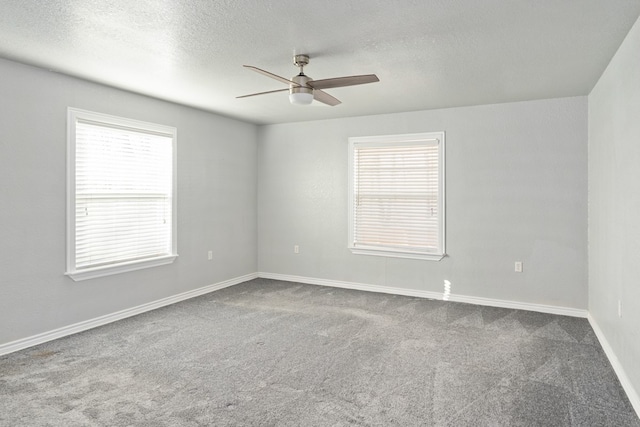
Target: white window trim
pixel 73 115
pixel 406 138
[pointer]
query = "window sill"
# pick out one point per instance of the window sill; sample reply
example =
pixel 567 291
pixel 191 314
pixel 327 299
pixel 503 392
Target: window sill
pixel 92 273
pixel 397 254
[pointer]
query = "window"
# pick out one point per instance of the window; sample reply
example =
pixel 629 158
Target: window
pixel 121 201
pixel 396 195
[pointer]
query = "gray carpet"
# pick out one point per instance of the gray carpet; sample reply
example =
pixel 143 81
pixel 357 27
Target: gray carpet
pixel 272 353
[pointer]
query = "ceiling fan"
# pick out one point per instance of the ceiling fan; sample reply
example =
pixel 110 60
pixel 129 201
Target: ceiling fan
pixel 303 90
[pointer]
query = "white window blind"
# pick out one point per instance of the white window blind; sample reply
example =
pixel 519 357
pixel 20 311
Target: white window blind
pixel 396 195
pixel 122 196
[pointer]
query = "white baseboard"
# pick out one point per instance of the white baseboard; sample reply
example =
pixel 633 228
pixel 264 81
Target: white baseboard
pixel 23 343
pixel 541 308
pixel 632 394
pixel 109 318
pixel 564 311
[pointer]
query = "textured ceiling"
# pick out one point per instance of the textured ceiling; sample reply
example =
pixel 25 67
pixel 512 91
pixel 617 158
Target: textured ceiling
pixel 427 53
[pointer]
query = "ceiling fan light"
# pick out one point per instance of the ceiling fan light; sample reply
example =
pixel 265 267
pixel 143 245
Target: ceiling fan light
pixel 301 98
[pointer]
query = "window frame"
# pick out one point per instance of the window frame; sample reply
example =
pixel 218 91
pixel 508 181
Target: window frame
pixel 74 115
pixel 390 140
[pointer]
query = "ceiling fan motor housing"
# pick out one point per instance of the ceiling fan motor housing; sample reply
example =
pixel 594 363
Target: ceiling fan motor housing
pixel 302 80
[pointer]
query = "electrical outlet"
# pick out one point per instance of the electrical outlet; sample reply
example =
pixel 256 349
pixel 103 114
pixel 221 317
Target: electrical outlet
pixel 296 249
pixel 210 255
pixel 518 267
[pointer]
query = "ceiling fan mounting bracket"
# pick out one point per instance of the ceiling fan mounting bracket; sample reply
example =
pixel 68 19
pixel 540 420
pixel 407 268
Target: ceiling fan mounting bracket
pixel 300 60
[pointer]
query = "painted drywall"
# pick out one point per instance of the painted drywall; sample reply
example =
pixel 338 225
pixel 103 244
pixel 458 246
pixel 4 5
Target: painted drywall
pixel 216 202
pixel 614 206
pixel 516 191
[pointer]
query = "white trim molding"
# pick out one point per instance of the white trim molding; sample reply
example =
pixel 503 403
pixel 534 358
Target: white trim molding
pixel 632 394
pixel 147 156
pixel 92 273
pixel 370 159
pixel 23 343
pixel 551 309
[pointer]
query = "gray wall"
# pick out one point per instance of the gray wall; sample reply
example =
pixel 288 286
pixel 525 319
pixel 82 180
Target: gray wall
pixel 216 202
pixel 516 191
pixel 614 204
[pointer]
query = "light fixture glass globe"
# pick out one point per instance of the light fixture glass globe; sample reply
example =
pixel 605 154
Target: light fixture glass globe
pixel 301 98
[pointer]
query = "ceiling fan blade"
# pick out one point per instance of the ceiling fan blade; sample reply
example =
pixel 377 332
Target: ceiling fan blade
pixel 343 81
pixel 262 93
pixel 325 98
pixel 273 76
